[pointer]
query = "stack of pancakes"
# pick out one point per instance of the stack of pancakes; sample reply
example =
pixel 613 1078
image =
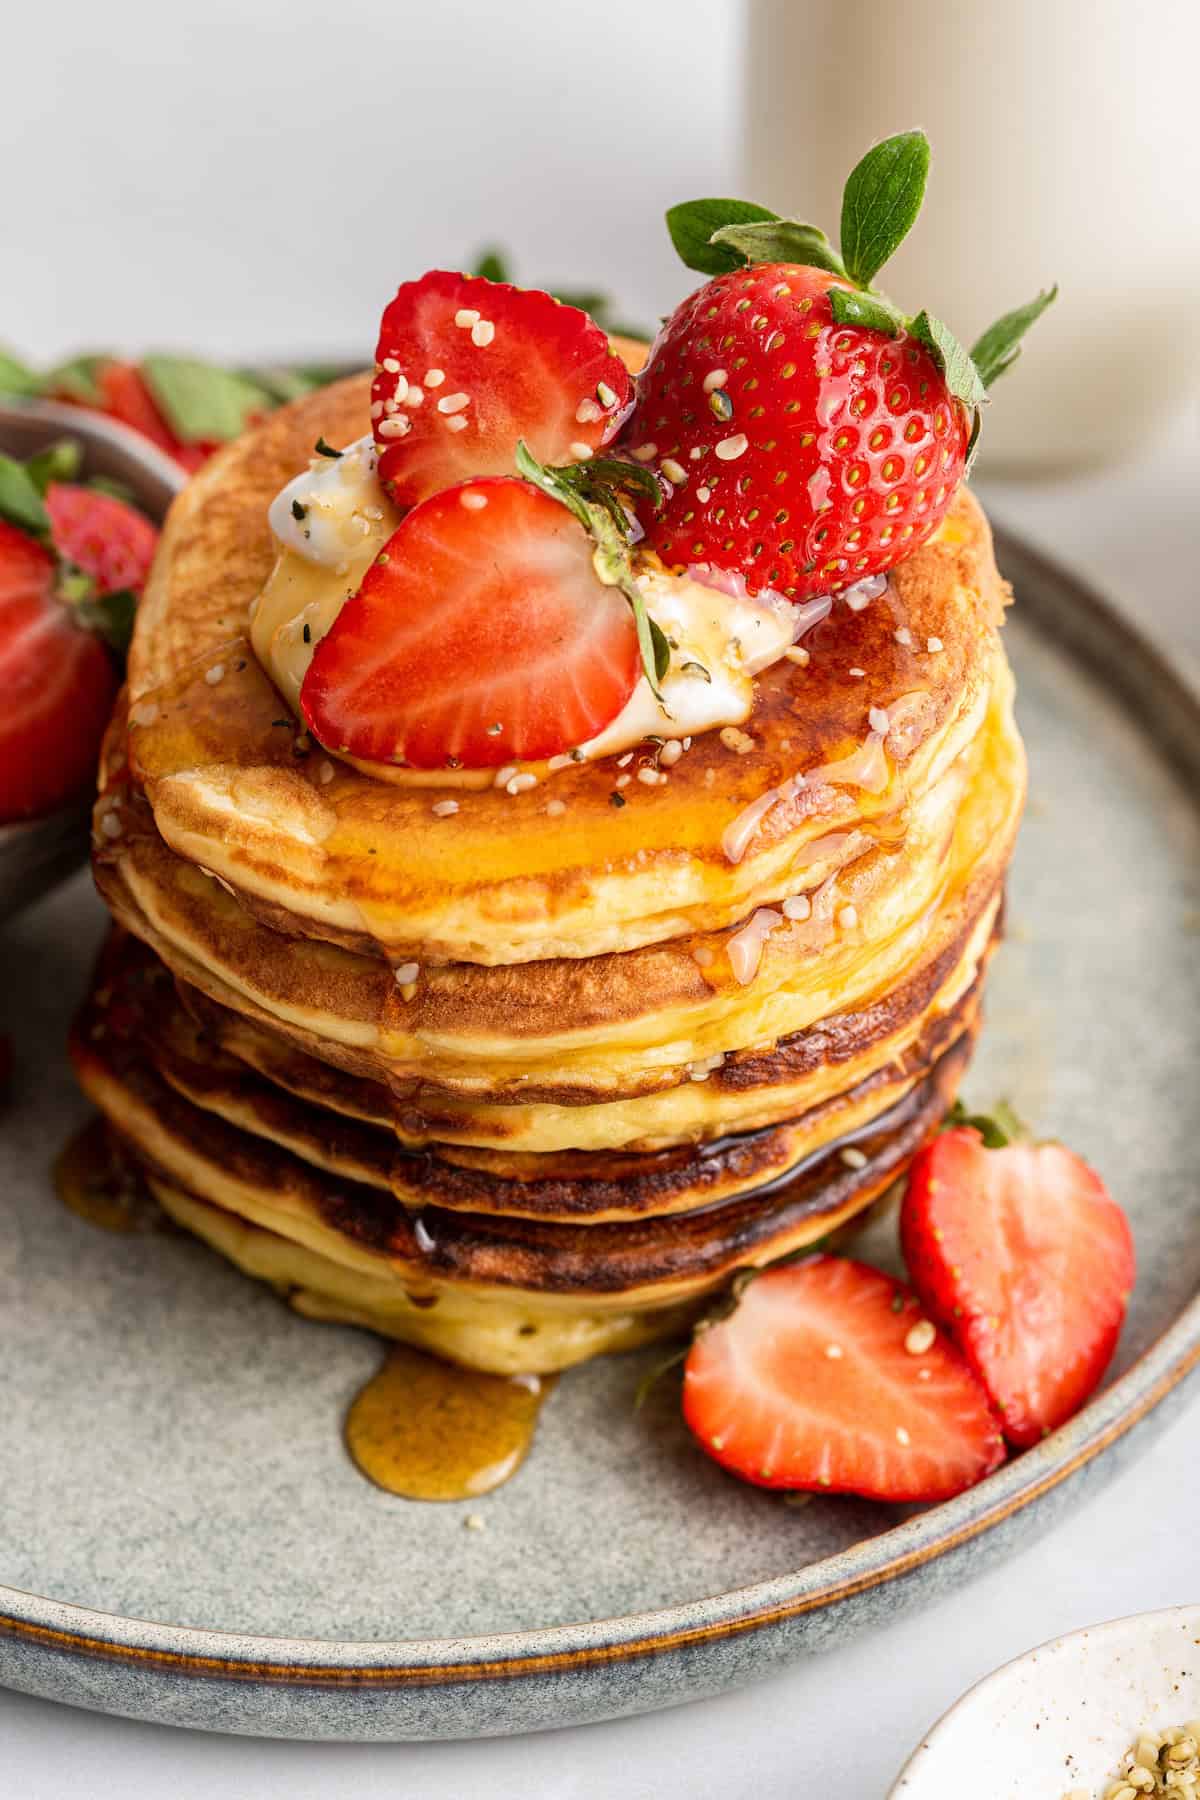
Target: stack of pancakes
pixel 530 1080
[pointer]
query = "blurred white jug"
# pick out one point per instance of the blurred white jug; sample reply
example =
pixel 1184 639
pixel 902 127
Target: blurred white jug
pixel 1066 147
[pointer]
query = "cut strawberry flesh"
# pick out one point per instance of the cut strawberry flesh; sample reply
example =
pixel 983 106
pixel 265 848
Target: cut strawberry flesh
pixel 480 636
pixel 109 540
pixel 1030 1263
pixel 809 1384
pixel 58 685
pixel 466 367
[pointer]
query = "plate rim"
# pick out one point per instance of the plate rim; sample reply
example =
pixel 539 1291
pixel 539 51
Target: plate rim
pixel 1094 632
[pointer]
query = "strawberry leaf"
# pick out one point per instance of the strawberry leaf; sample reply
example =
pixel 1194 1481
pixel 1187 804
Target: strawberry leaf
pixel 281 383
pixel 591 493
pixel 880 203
pixel 16 378
pixel 1000 345
pixel 201 402
pixel 492 264
pixel 999 1127
pixel 57 462
pixel 780 240
pixel 871 310
pixel 78 379
pixel 21 500
pixel 962 377
pixel 693 222
pixel 111 617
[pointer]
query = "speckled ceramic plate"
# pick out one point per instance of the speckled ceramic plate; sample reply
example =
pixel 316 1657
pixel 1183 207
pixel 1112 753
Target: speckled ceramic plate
pixel 172 1478
pixel 1058 1720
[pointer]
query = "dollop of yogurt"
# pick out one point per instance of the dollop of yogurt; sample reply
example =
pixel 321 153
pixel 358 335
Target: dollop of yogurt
pixel 332 520
pixel 330 523
pixel 720 640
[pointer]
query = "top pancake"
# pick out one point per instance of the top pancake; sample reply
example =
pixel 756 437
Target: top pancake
pixel 320 848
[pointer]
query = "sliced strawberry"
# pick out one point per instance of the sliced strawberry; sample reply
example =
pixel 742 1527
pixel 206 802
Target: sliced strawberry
pixel 466 367
pixel 106 538
pixel 811 1382
pixel 1028 1261
pixel 125 396
pixel 480 635
pixel 58 684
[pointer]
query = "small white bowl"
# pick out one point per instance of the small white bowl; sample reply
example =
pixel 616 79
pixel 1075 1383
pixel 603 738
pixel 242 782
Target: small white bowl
pixel 1061 1717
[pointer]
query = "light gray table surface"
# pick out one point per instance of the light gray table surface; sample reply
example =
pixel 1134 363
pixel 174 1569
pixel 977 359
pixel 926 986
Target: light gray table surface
pixel 843 1722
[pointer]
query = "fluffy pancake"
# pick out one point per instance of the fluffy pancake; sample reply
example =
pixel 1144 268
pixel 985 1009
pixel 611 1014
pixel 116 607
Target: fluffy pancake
pixel 745 1091
pixel 589 1031
pixel 134 1003
pixel 323 848
pixel 639 1278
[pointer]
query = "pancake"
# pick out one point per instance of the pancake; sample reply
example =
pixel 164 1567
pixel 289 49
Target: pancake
pixel 133 1002
pixel 536 1077
pixel 322 848
pixel 586 1030
pixel 748 1089
pixel 607 1284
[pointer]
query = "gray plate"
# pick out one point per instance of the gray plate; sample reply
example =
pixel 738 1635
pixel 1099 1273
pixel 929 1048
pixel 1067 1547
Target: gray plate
pixel 171 1466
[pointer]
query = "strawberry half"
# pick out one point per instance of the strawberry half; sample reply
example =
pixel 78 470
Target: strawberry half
pixel 809 1384
pixel 1028 1261
pixel 106 538
pixel 58 683
pixel 465 367
pixel 480 635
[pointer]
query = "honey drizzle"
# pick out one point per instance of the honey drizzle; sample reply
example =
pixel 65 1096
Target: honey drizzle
pixel 96 1180
pixel 429 1430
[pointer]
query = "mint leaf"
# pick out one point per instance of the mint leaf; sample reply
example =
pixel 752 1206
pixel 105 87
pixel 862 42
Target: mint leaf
pixel 16 378
pixel 78 378
pixel 591 493
pixel 21 501
pixel 781 240
pixel 1000 345
pixel 880 203
pixel 201 402
pixel 962 377
pixel 850 307
pixel 693 222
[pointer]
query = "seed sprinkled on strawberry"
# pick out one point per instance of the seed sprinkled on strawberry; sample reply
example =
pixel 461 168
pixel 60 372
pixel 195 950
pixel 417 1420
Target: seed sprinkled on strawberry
pixel 510 364
pixel 810 433
pixel 810 1383
pixel 1023 1255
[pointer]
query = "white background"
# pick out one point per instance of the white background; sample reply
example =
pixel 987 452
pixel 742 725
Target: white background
pixel 246 180
pixel 254 177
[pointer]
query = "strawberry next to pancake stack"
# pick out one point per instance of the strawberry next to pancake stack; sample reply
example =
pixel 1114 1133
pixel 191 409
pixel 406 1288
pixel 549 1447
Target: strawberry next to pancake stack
pixel 558 816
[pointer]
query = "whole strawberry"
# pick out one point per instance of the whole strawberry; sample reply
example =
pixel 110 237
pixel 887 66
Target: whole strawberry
pixel 806 432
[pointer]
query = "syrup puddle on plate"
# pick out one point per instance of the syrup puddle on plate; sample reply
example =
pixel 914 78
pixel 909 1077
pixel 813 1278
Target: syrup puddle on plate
pixel 95 1179
pixel 430 1430
pixel 420 1428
